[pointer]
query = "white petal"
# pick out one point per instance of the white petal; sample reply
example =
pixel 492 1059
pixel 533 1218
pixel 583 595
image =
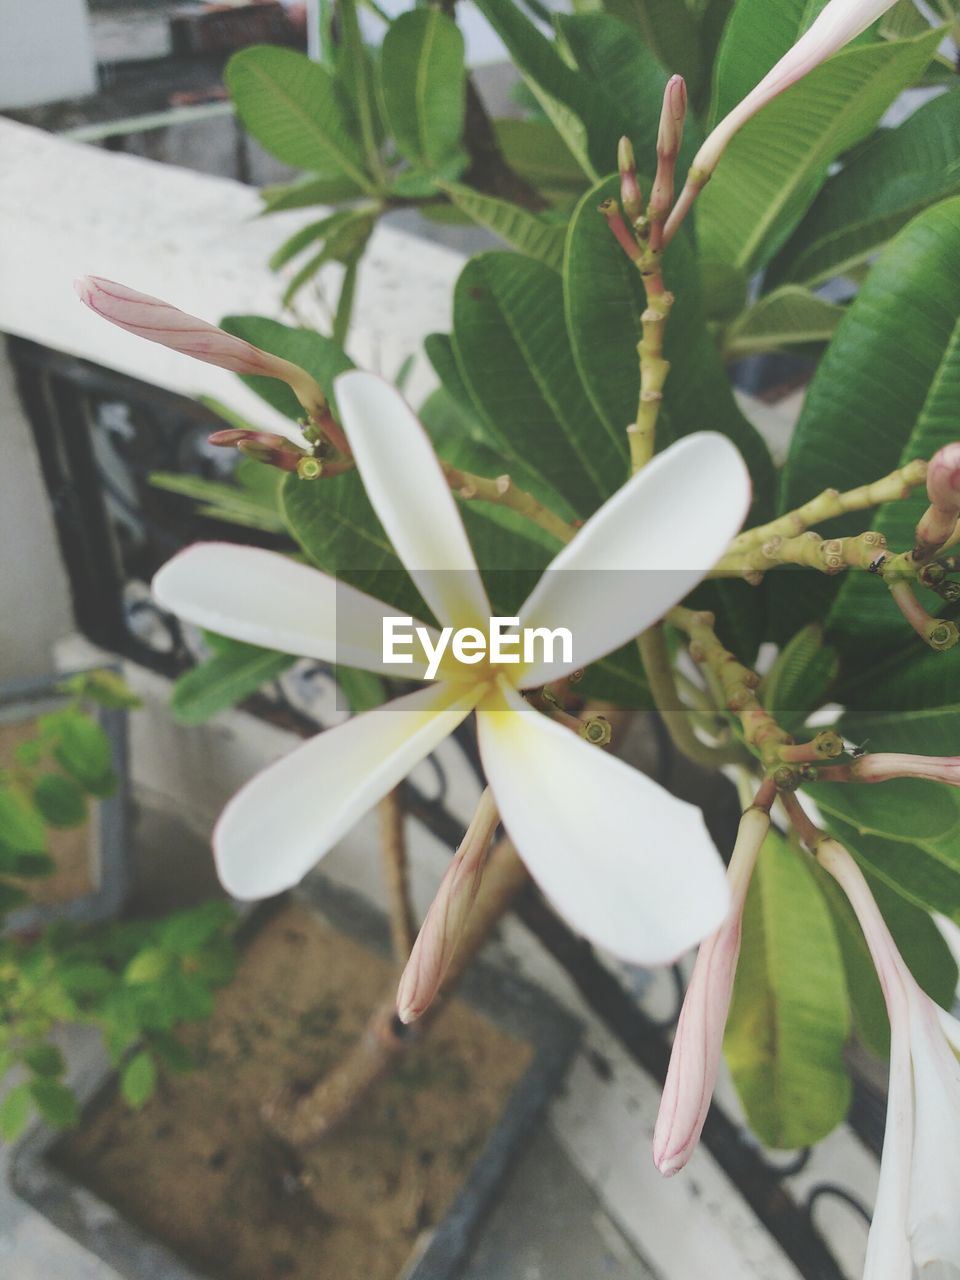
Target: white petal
pixel 934 1217
pixel 264 598
pixel 628 865
pixel 284 820
pixel 645 549
pixel 406 486
pixel 888 1250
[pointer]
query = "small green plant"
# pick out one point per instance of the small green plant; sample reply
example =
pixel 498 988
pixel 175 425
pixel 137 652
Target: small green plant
pixel 136 982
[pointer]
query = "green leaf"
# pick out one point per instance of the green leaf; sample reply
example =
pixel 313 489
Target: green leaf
pixel 11 897
pixel 894 177
pixel 60 799
pixel 345 244
pixel 339 531
pixel 756 37
pixel 15 1112
pixel 45 1060
pixel 232 673
pixel 423 79
pixel 354 70
pixel 187 931
pixel 138 1080
pixel 147 966
pixel 324 188
pixel 85 978
pixel 106 688
pixel 523 231
pixel 619 71
pixel 788 317
pixel 798 681
pixel 908 809
pixel 292 108
pixel 886 391
pixel 84 750
pixel 21 828
pixel 774 166
pixel 320 356
pixel 670 32
pixel 514 354
pixel 55 1102
pixel 789 1019
pixel 927 875
pixel 925 730
pixel 225 502
pixel 539 154
pixel 170 1051
pixel 305 236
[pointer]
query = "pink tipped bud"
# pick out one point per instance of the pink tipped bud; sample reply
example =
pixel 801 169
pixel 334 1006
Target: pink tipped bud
pixel 631 197
pixel 160 322
pixel 885 766
pixel 672 117
pixel 443 926
pixel 939 521
pixel 943 478
pixel 697 1046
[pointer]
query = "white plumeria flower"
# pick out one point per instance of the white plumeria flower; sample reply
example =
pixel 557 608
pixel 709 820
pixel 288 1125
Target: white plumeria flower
pixel 628 865
pixel 916 1221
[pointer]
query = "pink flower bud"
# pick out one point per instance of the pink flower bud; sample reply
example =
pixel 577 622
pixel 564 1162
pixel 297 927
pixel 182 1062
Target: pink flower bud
pixel 443 925
pixel 885 766
pixel 697 1046
pixel 631 197
pixel 160 322
pixel 943 487
pixel 672 117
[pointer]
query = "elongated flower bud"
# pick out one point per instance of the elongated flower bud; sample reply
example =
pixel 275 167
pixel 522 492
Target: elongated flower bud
pixel 699 1040
pixel 883 766
pixel 631 197
pixel 672 117
pixel 160 322
pixel 443 925
pixel 943 487
pixel 837 24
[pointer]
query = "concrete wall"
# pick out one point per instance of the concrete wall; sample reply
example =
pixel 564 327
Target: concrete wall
pixel 46 53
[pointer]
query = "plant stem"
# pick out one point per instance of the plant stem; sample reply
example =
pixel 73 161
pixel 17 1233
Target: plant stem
pixel 300 1123
pixel 899 484
pixel 656 662
pixel 394 850
pixel 505 493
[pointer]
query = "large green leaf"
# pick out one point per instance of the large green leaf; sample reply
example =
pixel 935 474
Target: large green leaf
pixel 775 165
pixel 291 106
pixel 354 70
pixel 886 392
pixel 233 672
pixel 522 230
pixel 908 809
pixel 512 347
pixel 788 317
pixel 756 37
pixel 423 79
pixel 898 173
pixel 539 154
pixel 789 1019
pixel 669 30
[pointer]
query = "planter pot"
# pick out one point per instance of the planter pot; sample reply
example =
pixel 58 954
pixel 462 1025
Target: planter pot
pixel 92 878
pixel 189 1187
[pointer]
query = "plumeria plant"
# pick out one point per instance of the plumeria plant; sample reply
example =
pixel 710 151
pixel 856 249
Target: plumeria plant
pixel 793 627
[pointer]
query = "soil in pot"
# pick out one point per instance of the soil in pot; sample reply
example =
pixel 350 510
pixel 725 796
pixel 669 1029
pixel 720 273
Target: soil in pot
pixel 192 1168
